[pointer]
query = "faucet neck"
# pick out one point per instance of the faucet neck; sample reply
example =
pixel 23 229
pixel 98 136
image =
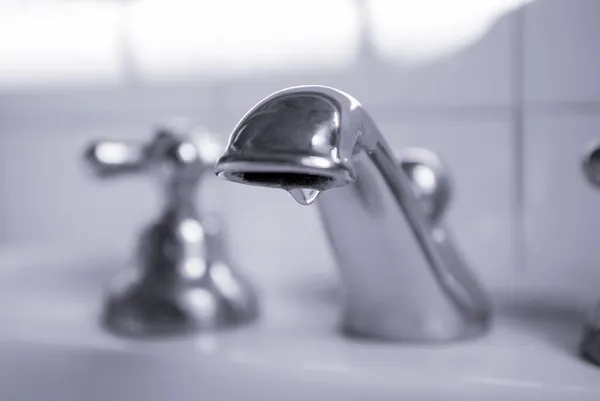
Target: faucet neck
pixel 180 200
pixel 403 277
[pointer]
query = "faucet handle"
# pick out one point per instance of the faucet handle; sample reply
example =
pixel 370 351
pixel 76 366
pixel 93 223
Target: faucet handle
pixel 591 164
pixel 176 154
pixel 430 180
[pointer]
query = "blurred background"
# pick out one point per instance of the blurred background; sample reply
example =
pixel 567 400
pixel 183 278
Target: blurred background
pixel 506 91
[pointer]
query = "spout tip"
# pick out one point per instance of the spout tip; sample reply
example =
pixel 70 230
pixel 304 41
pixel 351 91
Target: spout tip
pixel 294 139
pixel 286 171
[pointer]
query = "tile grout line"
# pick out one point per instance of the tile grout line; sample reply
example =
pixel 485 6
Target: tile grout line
pixel 519 226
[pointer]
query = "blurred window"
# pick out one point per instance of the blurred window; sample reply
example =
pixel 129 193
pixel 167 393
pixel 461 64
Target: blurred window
pixel 70 42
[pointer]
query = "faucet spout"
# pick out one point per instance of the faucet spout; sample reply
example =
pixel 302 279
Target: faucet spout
pixel 402 277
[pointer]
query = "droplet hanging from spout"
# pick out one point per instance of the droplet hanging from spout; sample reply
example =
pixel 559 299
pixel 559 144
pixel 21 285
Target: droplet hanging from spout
pixel 304 196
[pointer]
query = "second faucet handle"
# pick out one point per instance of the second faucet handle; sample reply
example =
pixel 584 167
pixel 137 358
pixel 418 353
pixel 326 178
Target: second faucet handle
pixel 591 164
pixel 176 155
pixel 589 346
pixel 182 280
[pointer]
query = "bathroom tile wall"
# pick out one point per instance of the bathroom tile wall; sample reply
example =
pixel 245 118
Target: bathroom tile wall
pixel 561 98
pixel 48 193
pixel 562 52
pixel 510 114
pixel 561 209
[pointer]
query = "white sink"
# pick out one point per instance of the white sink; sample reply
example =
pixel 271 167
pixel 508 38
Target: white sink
pixel 51 348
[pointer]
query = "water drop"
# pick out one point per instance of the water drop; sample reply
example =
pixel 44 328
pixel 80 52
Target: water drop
pixel 304 196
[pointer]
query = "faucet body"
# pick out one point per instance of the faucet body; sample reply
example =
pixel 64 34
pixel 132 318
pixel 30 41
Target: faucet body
pixel 402 277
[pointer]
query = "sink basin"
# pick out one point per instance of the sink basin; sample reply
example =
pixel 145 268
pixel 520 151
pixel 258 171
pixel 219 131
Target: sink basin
pixel 52 348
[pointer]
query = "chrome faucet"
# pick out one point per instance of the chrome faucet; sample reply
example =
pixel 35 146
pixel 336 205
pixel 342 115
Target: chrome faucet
pixel 183 280
pixel 402 277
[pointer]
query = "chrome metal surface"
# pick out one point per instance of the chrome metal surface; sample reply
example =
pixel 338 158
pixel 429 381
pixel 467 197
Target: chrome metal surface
pixel 430 178
pixel 184 280
pixel 402 277
pixel 591 164
pixel 590 343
